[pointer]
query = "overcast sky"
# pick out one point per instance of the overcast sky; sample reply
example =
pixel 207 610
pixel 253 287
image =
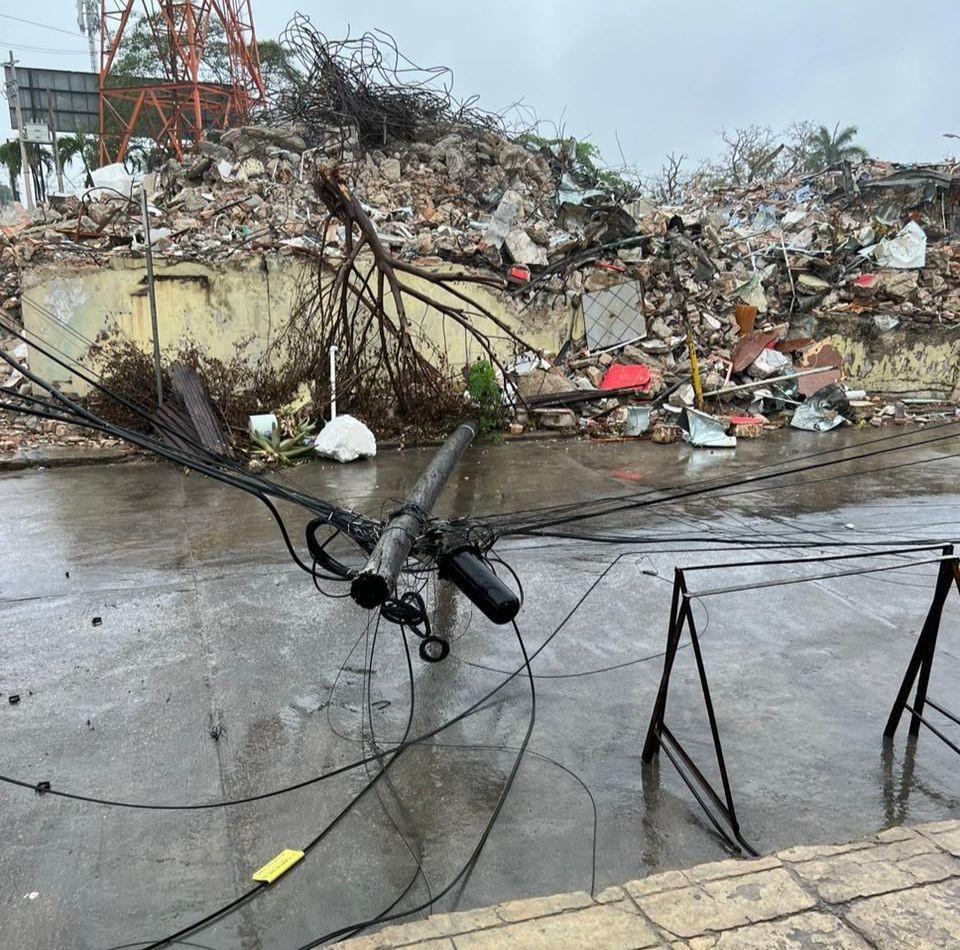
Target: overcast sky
pixel 661 74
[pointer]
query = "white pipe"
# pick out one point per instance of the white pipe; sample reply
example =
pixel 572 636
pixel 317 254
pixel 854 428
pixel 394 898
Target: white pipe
pixel 333 382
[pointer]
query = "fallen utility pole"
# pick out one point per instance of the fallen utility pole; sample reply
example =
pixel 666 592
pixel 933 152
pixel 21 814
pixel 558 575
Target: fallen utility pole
pixel 461 564
pixel 378 579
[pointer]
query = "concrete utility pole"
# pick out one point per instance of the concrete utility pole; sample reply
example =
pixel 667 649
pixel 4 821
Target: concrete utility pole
pixel 52 124
pixel 13 90
pixel 378 579
pixel 151 294
pixel 460 562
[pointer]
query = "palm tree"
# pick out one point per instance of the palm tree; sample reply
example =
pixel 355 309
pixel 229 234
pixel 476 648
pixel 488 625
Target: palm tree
pixel 41 165
pixel 79 146
pixel 831 148
pixel 10 159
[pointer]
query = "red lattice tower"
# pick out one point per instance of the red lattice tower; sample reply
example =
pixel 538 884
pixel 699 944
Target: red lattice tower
pixel 174 109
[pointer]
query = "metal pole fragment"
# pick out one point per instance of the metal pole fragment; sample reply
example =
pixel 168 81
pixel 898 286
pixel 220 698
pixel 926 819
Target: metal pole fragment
pixel 151 294
pixel 770 379
pixel 52 124
pixel 333 382
pixel 378 579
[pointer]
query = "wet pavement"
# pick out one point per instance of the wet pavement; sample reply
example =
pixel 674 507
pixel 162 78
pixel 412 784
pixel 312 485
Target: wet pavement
pixel 217 671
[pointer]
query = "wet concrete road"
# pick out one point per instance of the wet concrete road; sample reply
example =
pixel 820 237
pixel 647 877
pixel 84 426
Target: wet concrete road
pixel 217 671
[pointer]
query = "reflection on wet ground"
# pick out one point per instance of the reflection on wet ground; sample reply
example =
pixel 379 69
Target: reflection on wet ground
pixel 219 672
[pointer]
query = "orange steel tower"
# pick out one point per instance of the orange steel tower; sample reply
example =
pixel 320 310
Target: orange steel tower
pixel 176 107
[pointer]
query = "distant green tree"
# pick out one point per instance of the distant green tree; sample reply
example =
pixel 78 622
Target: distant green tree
pixel 583 160
pixel 142 56
pixel 10 159
pixel 40 164
pixel 83 147
pixel 276 68
pixel 6 196
pixel 828 148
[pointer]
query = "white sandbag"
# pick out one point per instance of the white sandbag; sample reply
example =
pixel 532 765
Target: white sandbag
pixel 345 439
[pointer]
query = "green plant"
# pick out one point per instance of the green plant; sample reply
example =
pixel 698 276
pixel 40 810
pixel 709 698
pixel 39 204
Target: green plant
pixel 284 450
pixel 583 159
pixel 483 390
pixel 830 148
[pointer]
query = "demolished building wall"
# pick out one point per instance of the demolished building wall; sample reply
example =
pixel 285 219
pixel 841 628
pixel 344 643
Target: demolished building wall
pixel 223 305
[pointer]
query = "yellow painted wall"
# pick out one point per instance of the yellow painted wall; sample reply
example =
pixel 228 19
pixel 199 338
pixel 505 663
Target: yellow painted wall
pixel 917 368
pixel 222 304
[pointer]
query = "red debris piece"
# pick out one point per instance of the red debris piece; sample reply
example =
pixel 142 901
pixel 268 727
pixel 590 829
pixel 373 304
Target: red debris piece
pixel 820 354
pixel 751 346
pixel 626 376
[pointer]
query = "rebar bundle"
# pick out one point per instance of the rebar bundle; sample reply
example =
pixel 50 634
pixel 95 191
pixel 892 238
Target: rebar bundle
pixel 365 84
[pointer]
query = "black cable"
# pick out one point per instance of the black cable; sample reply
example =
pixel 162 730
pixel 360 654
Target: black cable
pixel 504 517
pixel 536 529
pixel 471 863
pixel 313 842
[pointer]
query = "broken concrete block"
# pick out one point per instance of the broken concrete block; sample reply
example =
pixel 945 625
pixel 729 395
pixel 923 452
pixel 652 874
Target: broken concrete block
pixel 456 164
pixel 663 433
pixel 899 284
pixel 538 382
pixel 557 418
pixel 522 249
pixel 390 169
pixel 595 375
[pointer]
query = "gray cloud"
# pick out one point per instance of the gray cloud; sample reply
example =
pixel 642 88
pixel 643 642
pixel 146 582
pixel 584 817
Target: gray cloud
pixel 659 75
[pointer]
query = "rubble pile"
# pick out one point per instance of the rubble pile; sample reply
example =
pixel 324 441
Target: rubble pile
pixel 744 276
pixel 739 277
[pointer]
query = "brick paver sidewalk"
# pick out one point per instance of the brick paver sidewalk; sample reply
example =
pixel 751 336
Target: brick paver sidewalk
pixel 899 890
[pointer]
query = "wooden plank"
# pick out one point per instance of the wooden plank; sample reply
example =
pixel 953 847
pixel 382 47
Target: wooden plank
pixel 188 387
pixel 175 427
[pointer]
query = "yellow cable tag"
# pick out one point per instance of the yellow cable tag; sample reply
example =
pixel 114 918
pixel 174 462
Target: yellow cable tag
pixel 282 863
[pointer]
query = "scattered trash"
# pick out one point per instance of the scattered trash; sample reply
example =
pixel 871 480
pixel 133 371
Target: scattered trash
pixel 749 272
pixel 621 376
pixel 885 322
pixel 823 411
pixel 907 250
pixel 284 449
pixel 638 420
pixel 111 181
pixel 705 431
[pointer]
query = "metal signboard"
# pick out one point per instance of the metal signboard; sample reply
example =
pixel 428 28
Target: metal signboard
pixel 75 98
pixel 36 132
